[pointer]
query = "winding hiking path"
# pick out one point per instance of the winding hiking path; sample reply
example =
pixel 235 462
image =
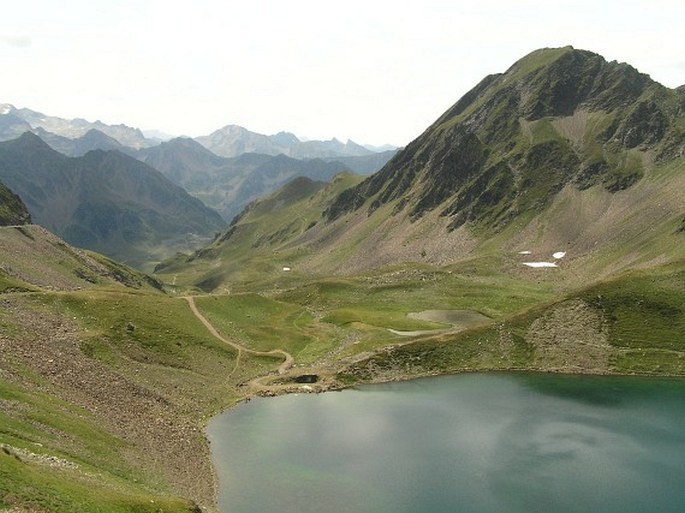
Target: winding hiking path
pixel 288 359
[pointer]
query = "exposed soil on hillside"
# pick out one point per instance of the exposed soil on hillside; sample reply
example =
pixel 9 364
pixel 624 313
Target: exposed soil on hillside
pixel 160 439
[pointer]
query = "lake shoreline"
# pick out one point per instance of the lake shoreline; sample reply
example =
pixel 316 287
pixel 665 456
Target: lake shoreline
pixel 334 385
pixel 579 391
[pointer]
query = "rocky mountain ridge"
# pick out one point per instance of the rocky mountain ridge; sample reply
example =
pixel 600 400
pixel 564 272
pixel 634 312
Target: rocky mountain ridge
pixel 72 136
pixel 234 140
pixel 14 122
pixel 557 116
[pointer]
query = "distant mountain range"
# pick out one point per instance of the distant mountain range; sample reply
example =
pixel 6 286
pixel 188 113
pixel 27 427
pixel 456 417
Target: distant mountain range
pixel 233 140
pixel 229 184
pixel 234 167
pixel 14 122
pixel 106 201
pixel 74 137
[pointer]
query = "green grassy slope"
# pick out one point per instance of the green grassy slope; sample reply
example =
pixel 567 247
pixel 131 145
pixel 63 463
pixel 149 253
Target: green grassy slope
pixel 260 242
pixel 105 385
pixel 33 258
pixel 632 324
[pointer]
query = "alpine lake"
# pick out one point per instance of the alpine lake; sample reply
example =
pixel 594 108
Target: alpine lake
pixel 463 443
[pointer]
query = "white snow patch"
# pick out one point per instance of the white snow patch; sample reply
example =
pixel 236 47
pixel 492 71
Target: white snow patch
pixel 525 252
pixel 559 254
pixel 540 264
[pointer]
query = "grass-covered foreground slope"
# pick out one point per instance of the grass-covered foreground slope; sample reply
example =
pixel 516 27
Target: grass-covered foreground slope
pixel 34 259
pixel 105 385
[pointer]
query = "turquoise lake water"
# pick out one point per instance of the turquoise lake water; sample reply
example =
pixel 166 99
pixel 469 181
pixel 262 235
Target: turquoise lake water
pixel 468 443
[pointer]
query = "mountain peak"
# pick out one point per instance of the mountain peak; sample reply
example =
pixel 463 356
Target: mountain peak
pixel 557 116
pixel 6 108
pixel 286 139
pixel 29 140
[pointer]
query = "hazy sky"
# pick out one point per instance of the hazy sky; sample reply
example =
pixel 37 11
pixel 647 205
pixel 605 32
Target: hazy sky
pixel 373 71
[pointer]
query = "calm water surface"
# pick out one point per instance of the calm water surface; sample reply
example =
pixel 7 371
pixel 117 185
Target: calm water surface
pixel 468 443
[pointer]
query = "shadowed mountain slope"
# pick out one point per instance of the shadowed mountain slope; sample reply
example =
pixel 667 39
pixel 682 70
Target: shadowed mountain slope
pixel 229 184
pixel 556 117
pixel 12 209
pixel 105 201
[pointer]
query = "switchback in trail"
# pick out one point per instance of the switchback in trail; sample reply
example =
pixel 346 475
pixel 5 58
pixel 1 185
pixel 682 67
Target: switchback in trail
pixel 288 359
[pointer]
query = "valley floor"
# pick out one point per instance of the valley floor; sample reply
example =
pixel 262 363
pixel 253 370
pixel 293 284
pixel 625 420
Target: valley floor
pixel 117 384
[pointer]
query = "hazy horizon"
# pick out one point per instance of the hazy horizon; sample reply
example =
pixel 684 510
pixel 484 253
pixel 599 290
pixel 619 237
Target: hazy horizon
pixel 375 73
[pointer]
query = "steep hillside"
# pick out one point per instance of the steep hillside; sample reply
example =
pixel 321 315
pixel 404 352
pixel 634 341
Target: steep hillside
pixel 35 259
pixel 105 201
pixel 562 152
pixel 12 209
pixel 556 117
pixel 229 184
pixel 105 384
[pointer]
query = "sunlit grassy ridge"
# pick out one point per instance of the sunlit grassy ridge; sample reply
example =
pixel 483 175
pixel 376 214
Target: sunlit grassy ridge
pixel 631 324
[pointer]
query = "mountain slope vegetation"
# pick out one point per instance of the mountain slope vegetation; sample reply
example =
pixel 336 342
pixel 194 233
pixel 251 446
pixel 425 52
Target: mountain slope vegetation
pixel 105 382
pixel 258 242
pixel 556 117
pixel 564 151
pixel 562 154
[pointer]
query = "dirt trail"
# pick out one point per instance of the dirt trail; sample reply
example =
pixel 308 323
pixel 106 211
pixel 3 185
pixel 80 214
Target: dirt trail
pixel 288 359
